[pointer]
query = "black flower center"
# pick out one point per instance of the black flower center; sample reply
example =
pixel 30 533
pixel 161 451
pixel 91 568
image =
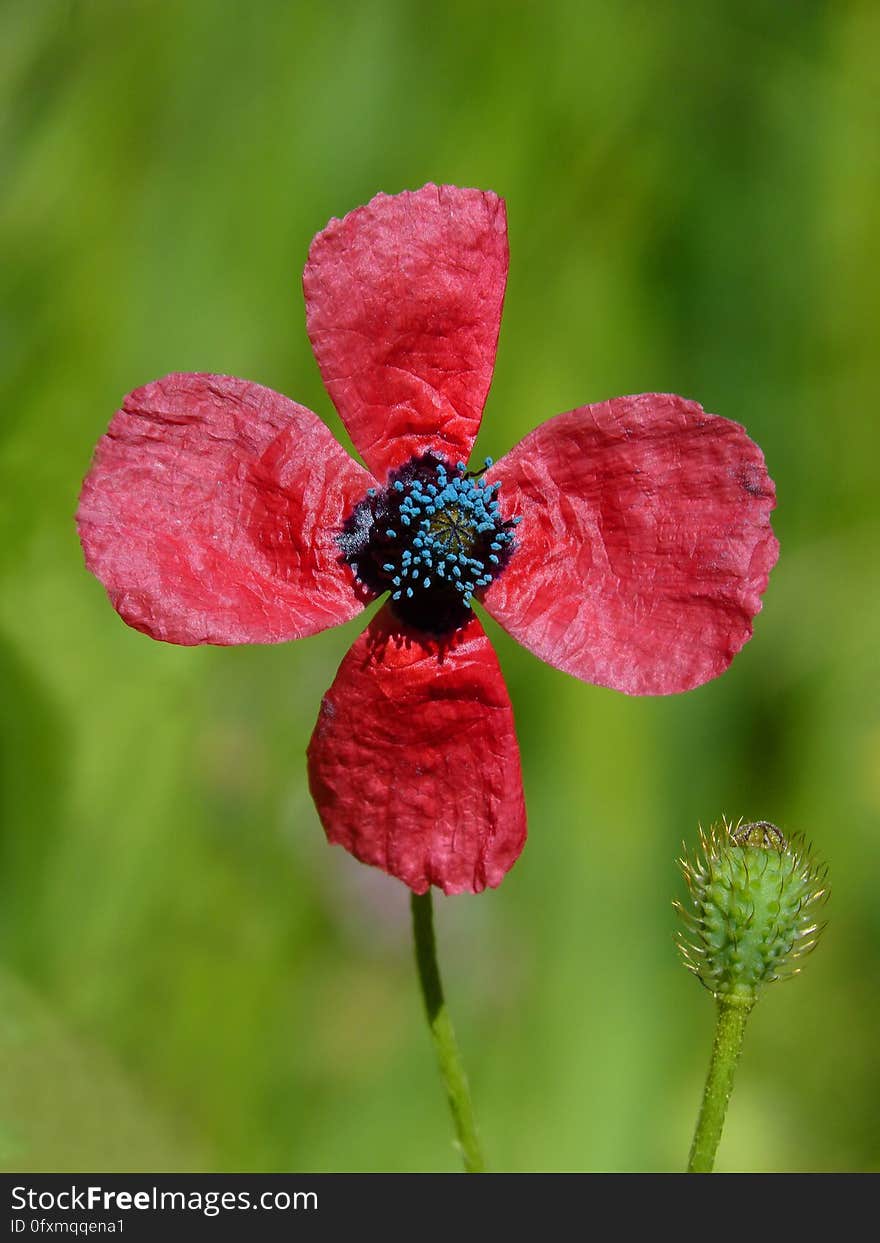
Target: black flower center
pixel 434 537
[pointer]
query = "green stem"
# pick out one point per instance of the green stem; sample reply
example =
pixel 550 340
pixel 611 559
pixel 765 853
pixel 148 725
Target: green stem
pixel 729 1031
pixel 451 1069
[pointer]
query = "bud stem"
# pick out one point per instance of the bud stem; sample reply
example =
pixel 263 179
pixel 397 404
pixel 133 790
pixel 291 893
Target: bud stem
pixel 442 1032
pixel 733 1010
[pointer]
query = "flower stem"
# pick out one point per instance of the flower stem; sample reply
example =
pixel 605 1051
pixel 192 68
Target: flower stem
pixel 454 1079
pixel 729 1031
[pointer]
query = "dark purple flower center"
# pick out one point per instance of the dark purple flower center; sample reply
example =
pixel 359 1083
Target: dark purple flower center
pixel 434 537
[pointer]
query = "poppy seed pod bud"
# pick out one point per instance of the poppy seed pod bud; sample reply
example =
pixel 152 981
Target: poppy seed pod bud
pixel 754 903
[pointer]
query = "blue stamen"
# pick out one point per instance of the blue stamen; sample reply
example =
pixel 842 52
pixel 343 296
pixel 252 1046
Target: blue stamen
pixel 445 542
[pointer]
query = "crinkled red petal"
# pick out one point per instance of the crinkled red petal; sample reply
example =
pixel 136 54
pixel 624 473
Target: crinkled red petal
pixel 645 543
pixel 403 301
pixel 414 764
pixel 210 514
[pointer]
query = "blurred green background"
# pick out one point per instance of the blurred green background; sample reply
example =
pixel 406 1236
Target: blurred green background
pixel 191 979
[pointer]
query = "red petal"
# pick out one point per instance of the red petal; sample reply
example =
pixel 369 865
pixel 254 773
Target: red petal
pixel 414 764
pixel 210 512
pixel 645 543
pixel 403 301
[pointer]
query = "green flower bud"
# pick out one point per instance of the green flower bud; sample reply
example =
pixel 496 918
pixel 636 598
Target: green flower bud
pixel 754 898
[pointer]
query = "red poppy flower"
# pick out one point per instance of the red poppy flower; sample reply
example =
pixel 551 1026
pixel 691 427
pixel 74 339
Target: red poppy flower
pixel 627 543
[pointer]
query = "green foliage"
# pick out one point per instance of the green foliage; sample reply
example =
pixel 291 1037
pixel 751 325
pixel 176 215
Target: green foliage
pixel 692 192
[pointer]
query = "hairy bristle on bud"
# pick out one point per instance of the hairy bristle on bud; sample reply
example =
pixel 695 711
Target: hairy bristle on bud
pixel 754 902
